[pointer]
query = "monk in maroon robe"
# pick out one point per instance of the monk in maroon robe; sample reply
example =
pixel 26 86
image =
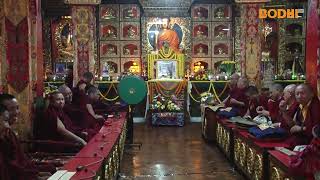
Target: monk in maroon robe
pixel 69 78
pixel 287 107
pixel 75 115
pixel 232 88
pixel 272 109
pixel 307 162
pixel 56 125
pixel 306 116
pixel 14 164
pixel 254 101
pixel 239 99
pixel 93 120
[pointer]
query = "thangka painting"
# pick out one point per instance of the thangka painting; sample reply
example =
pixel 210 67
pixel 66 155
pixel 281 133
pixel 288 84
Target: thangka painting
pixel 172 31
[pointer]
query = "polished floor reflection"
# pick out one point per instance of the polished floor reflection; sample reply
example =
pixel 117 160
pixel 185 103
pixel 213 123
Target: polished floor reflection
pixel 173 153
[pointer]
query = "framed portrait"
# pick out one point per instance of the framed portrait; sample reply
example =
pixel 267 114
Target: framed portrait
pixel 174 30
pixel 166 69
pixel 60 68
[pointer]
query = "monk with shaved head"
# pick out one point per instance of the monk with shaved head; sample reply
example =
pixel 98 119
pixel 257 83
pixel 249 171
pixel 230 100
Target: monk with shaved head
pixel 239 99
pixel 56 125
pixel 273 103
pixel 306 116
pixel 76 116
pixel 14 164
pixel 232 87
pixel 287 107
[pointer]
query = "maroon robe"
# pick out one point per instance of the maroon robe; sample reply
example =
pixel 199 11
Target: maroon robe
pixel 88 120
pixel 254 103
pixel 273 108
pixel 307 162
pixel 239 95
pixel 290 112
pixel 312 119
pixel 13 162
pixel 48 130
pixel 232 93
pixel 76 120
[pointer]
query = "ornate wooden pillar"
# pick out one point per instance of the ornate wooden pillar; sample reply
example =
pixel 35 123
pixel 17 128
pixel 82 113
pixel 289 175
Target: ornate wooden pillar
pixel 84 33
pixel 22 55
pixel 250 43
pixel 312 43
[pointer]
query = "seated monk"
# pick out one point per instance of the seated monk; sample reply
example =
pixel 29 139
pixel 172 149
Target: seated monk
pixel 254 101
pixel 306 116
pixel 79 92
pixel 287 107
pixel 14 164
pixel 75 115
pixel 272 110
pixel 93 120
pixel 232 87
pixel 55 124
pixel 307 162
pixel 239 99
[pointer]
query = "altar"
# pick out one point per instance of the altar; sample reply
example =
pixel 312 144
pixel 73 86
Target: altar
pixel 166 104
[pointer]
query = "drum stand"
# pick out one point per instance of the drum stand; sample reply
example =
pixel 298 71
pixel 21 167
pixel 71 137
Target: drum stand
pixel 129 142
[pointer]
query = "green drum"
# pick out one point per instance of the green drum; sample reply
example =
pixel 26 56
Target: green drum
pixel 132 89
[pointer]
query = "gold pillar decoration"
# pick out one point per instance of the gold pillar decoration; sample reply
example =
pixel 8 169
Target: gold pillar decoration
pixel 84 23
pixel 84 33
pixel 253 44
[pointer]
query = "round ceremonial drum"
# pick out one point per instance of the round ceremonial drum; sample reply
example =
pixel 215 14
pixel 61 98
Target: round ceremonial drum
pixel 132 89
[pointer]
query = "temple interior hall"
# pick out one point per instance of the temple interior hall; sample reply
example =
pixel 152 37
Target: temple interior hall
pixel 160 89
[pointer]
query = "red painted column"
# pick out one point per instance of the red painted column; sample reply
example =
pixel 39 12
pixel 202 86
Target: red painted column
pixel 312 43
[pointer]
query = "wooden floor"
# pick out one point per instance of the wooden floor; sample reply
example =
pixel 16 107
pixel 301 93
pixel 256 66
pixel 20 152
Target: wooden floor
pixel 174 153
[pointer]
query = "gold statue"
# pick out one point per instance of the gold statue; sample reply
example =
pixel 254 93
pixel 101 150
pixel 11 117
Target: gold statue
pixel 129 13
pixel 200 33
pixel 219 14
pixel 200 51
pixel 131 32
pixel 110 34
pixel 66 50
pixel 111 50
pixel 109 14
pixel 126 51
pixel 220 51
pixel 221 35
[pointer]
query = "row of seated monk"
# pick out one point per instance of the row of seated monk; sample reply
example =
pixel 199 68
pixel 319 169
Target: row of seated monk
pixel 69 120
pixel 294 108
